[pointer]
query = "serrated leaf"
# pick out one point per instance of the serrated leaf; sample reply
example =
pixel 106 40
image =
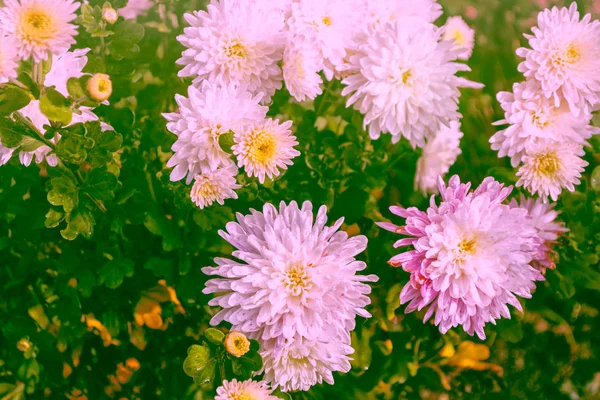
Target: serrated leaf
pixel 100 184
pixel 53 218
pixel 114 272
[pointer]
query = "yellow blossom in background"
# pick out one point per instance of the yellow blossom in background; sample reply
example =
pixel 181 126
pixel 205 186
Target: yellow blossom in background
pixel 149 311
pixel 470 355
pixel 97 327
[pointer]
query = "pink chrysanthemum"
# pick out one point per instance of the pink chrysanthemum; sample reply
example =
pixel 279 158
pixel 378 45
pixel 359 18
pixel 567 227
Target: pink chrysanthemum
pixel 534 119
pixel 564 58
pixel 402 79
pixel 135 8
pixel 8 58
pixel 457 30
pixel 472 256
pixel 40 27
pixel 549 229
pixel 235 42
pixel 245 390
pixel 203 116
pixel 301 65
pixel 216 185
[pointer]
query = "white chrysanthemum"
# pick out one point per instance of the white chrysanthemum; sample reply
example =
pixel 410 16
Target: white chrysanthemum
pixel 438 156
pixel 68 65
pixel 548 227
pixel 8 58
pixel 330 24
pixel 457 30
pixel 216 185
pixel 264 147
pixel 534 119
pixel 299 364
pixel 550 167
pixel 402 79
pixel 206 114
pixel 301 65
pixel 296 276
pixel 564 57
pixel 40 27
pixel 235 42
pixel 245 390
pixel 135 8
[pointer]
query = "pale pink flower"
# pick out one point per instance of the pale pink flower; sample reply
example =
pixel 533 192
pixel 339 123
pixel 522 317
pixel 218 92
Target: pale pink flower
pixel 244 390
pixel 8 58
pixel 457 30
pixel 135 8
pixel 301 65
pixel 216 185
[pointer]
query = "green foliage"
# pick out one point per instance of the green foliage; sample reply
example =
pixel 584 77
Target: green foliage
pixel 84 242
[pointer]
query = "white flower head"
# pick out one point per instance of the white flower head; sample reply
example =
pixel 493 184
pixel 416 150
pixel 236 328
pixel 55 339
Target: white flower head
pixel 550 167
pixel 135 8
pixel 402 79
pixel 40 27
pixel 457 30
pixel 301 65
pixel 203 116
pixel 299 364
pixel 381 12
pixel 438 156
pixel 216 185
pixel 330 25
pixel 235 42
pixel 8 58
pixel 533 119
pixel 245 390
pixel 564 57
pixel 265 147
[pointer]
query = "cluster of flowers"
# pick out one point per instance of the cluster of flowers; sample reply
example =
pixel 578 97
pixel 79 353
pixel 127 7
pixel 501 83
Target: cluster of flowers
pixel 295 290
pixel 550 112
pixel 398 68
pixel 473 253
pixel 41 31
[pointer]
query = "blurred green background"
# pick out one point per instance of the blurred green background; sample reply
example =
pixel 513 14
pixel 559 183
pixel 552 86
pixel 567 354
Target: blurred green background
pixel 52 347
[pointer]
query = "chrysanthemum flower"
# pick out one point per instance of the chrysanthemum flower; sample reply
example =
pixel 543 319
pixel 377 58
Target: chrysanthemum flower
pixel 246 390
pixel 438 156
pixel 402 79
pixel 457 30
pixel 535 119
pixel 135 8
pixel 300 363
pixel 301 65
pixel 216 185
pixel 330 25
pixel 296 276
pixel 564 57
pixel 40 27
pixel 549 229
pixel 8 58
pixel 381 12
pixel 264 147
pixel 471 256
pixel 550 167
pixel 235 42
pixel 203 117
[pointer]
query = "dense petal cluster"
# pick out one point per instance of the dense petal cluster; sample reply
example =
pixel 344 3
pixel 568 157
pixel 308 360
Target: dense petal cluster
pixel 549 115
pixel 457 30
pixel 295 289
pixel 39 27
pixel 251 390
pixel 438 156
pixel 402 78
pixel 216 185
pixel 473 255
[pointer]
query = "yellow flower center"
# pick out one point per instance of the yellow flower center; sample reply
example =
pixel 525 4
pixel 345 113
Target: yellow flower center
pixel 37 25
pixel 458 37
pixel 326 21
pixel 205 189
pixel 235 49
pixel 296 280
pixel 406 75
pixel 569 56
pixel 261 146
pixel 546 164
pixel 99 87
pixel 241 395
pixel 540 120
pixel 466 247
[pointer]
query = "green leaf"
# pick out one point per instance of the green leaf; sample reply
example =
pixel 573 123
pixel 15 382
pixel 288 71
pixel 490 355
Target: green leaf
pixel 12 99
pixel 53 218
pixel 55 106
pixel 30 144
pixel 79 222
pixel 114 272
pixel 510 329
pixel 595 181
pixel 162 268
pixel 13 132
pixel 196 360
pixel 64 193
pixel 207 374
pixel 100 184
pixel 214 336
pixel 226 141
pixel 76 88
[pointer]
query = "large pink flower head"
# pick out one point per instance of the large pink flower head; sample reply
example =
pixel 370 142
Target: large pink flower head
pixel 534 120
pixel 402 78
pixel 565 57
pixel 472 256
pixel 235 41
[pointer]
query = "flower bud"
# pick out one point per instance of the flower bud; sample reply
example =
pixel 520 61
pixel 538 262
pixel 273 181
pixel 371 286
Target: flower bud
pixel 237 344
pixel 110 15
pixel 99 87
pixel 24 345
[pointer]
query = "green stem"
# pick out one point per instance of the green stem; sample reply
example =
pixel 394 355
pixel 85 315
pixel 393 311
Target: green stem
pixel 26 121
pixel 325 94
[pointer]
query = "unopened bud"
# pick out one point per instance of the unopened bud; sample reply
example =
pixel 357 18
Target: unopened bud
pixel 24 345
pixel 99 87
pixel 110 15
pixel 237 344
